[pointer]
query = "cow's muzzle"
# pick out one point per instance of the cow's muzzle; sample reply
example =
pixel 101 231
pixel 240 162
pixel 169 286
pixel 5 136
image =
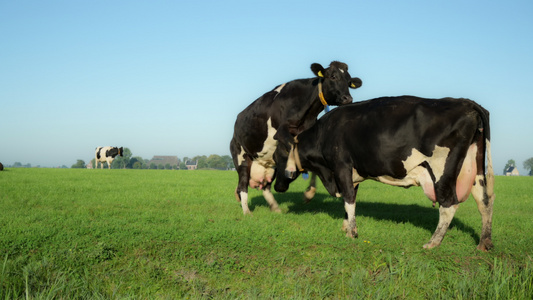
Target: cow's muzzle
pixel 346 99
pixel 291 174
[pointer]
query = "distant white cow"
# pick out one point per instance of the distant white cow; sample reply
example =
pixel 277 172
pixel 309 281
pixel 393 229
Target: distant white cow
pixel 106 154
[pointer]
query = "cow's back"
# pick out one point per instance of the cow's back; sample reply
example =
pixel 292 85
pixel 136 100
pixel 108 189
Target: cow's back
pixel 380 134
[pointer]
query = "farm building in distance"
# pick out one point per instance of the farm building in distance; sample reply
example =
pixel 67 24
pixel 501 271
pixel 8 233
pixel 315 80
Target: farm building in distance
pixel 511 171
pixel 191 165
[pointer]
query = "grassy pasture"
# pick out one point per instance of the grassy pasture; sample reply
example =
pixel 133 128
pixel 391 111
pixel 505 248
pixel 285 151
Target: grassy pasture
pixel 101 234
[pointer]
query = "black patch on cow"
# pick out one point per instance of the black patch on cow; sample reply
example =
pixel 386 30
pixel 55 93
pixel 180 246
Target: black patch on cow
pixel 481 182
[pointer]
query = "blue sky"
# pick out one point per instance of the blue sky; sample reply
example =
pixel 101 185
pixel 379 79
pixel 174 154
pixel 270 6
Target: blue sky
pixel 170 77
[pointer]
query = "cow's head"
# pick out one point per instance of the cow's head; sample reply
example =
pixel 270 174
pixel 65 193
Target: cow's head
pixel 336 82
pixel 120 151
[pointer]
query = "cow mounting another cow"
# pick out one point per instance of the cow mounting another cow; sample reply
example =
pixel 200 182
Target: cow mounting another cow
pixel 264 131
pixel 440 145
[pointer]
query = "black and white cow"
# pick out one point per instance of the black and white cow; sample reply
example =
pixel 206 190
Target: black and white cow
pixel 438 144
pixel 264 131
pixel 106 154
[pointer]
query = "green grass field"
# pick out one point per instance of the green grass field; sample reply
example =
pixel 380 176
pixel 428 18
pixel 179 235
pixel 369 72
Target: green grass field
pixel 113 234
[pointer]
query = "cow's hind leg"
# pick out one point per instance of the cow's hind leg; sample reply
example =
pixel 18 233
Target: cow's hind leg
pixel 242 187
pixel 483 193
pixel 445 218
pixel 484 205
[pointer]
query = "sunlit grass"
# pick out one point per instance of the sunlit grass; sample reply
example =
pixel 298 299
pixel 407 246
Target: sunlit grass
pixel 170 234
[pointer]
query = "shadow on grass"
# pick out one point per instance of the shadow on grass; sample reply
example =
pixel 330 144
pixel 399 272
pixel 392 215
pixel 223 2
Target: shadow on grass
pixel 417 215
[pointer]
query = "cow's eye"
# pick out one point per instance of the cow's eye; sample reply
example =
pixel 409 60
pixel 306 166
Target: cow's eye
pixel 333 77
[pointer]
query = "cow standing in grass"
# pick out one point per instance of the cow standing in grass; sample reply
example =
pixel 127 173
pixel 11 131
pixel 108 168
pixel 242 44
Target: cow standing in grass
pixel 106 154
pixel 264 131
pixel 440 145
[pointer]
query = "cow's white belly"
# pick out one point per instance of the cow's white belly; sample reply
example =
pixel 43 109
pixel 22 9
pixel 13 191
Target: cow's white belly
pixel 416 174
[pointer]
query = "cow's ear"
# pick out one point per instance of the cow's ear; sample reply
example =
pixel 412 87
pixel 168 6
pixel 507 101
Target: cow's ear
pixel 317 69
pixel 356 83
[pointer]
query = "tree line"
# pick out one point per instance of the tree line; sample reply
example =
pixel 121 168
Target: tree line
pixel 128 161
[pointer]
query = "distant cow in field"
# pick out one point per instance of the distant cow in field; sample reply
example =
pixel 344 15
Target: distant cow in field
pixel 440 145
pixel 264 131
pixel 1 167
pixel 106 154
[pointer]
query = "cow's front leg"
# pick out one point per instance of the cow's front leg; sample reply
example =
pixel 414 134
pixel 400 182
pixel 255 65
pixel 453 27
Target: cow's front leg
pixel 346 187
pixel 311 189
pixel 267 193
pixel 349 225
pixel 445 218
pixel 281 157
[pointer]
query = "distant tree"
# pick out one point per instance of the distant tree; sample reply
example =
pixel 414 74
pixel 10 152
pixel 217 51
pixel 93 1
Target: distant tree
pixel 183 166
pixel 80 164
pixel 17 165
pixel 153 166
pixel 137 165
pixel 168 166
pixel 510 163
pixel 160 166
pixel 229 161
pixel 216 162
pixel 528 165
pixel 202 161
pixel 133 161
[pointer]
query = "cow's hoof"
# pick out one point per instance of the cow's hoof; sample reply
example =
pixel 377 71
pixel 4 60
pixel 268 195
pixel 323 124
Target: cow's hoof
pixel 309 194
pixel 430 245
pixel 275 209
pixel 352 235
pixel 485 245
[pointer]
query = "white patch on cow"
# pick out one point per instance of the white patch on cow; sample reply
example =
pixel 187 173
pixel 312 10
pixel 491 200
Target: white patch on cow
pixel 349 223
pixel 356 178
pixel 244 203
pixel 262 169
pixel 437 161
pixel 291 162
pixel 416 174
pixel 278 89
pixel 240 157
pixel 342 71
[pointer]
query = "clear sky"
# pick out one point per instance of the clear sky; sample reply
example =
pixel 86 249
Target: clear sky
pixel 170 77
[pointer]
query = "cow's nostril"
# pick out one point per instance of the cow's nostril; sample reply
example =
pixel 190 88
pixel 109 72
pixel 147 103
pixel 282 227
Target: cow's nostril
pixel 346 99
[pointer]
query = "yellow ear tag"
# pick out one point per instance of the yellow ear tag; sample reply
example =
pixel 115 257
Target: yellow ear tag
pixel 352 85
pixel 320 74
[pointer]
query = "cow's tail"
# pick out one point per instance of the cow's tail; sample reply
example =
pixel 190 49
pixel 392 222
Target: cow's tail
pixel 489 174
pixel 490 171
